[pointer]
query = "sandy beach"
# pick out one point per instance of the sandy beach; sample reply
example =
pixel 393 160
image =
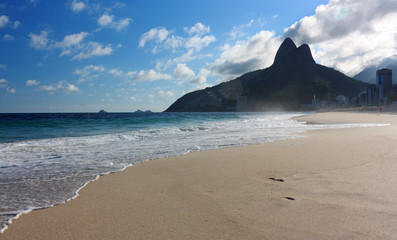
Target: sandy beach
pixel 329 184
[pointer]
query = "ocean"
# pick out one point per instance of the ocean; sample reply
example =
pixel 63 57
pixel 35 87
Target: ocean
pixel 45 159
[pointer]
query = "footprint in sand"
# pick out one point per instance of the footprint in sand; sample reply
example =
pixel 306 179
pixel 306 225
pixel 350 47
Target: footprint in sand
pixel 277 179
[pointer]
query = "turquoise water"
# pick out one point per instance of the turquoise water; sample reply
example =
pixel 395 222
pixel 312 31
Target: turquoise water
pixel 46 158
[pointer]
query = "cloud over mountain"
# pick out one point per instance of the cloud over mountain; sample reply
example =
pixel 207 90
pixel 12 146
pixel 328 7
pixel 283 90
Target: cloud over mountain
pixel 349 35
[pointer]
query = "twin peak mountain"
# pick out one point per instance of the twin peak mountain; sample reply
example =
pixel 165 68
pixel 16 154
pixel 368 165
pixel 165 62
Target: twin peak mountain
pixel 292 80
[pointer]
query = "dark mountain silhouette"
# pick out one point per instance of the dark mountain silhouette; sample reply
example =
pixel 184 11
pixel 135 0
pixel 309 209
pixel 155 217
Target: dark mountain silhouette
pixel 292 80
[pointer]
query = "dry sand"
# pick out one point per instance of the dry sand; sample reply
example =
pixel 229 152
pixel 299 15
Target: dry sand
pixel 337 184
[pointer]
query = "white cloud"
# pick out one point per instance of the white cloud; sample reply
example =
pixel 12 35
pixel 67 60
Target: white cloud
pixel 5 22
pixel 255 53
pixel 67 88
pixel 238 31
pixel 39 41
pixel 167 94
pixel 108 21
pixel 201 77
pixel 183 72
pixel 78 6
pixel 163 40
pixel 105 20
pixel 116 72
pixel 122 24
pixel 151 75
pixel 7 37
pixel 349 35
pixel 92 49
pixel 89 72
pixel 11 90
pixel 32 82
pixel 132 98
pixel 197 42
pixel 174 42
pixel 158 34
pixel 71 45
pixel 198 29
pixel 4 84
pixel 71 40
pixel 47 88
pixel 16 24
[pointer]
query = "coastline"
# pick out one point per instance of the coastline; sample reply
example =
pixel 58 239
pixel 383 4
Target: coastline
pixel 337 183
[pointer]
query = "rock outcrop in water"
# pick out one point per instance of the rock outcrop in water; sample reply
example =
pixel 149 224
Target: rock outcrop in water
pixel 292 80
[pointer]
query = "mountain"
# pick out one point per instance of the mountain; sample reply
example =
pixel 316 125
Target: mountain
pixel 292 80
pixel 369 74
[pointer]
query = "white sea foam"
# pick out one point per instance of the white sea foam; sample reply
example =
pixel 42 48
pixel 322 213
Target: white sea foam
pixel 42 173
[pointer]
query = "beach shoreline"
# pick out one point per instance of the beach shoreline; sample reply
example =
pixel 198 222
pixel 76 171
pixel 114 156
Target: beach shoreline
pixel 331 184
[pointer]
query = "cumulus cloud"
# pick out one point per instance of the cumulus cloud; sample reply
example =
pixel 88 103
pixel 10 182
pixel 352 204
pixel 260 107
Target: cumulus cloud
pixel 89 72
pixel 255 53
pixel 48 88
pixel 4 84
pixel 39 41
pixel 201 77
pixel 158 34
pixel 164 40
pixel 197 42
pixel 238 31
pixel 32 82
pixel 167 93
pixel 71 45
pixel 16 24
pixel 4 21
pixel 11 90
pixel 105 20
pixel 122 24
pixel 116 72
pixel 349 35
pixel 65 87
pixel 183 72
pixel 68 88
pixel 70 41
pixel 78 6
pixel 198 28
pixel 151 75
pixel 92 49
pixel 7 37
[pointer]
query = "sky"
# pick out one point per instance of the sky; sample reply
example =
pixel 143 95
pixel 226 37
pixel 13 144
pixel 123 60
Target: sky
pixel 123 56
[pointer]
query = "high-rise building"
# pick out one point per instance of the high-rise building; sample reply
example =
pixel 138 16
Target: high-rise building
pixel 384 82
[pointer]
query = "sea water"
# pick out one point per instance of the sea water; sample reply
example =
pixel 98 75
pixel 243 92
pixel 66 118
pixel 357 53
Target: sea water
pixel 46 158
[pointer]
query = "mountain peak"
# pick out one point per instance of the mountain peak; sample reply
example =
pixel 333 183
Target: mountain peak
pixel 286 47
pixel 288 51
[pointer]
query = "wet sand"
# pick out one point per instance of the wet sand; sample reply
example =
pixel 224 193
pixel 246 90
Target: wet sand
pixel 330 184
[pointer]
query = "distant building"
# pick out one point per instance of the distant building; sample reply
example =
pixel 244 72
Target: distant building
pixel 372 95
pixel 384 83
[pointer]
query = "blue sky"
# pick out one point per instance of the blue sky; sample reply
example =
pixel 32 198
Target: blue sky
pixel 121 56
